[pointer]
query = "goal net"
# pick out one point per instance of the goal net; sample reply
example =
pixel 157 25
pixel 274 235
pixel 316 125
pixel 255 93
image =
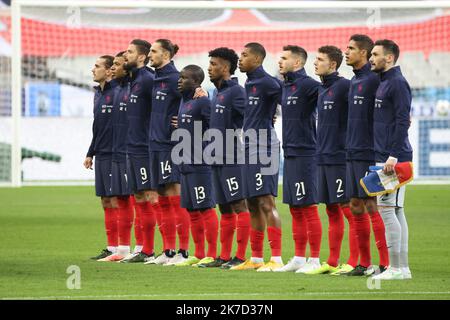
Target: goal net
pixel 48 49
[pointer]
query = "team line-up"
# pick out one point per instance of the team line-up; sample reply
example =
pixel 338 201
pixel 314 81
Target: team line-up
pixel 332 132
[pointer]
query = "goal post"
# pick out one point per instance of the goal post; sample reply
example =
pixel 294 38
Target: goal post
pixel 422 27
pixel 16 94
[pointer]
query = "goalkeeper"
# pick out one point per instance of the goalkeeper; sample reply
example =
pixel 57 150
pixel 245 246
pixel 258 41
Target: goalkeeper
pixel 391 144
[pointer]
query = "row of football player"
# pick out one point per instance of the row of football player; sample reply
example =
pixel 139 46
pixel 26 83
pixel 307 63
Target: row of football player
pixel 361 122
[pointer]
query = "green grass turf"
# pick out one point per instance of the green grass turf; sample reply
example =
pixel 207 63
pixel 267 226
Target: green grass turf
pixel 44 230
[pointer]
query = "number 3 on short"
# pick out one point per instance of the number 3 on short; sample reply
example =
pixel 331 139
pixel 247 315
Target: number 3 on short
pixel 199 193
pixel 143 174
pixel 259 181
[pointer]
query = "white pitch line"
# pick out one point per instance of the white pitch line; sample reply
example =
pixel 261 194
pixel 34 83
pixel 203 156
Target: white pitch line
pixel 234 294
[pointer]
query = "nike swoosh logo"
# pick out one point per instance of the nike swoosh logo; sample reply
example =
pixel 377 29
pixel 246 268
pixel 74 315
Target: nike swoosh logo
pixel 198 202
pixel 300 198
pixel 144 182
pixel 259 188
pixel 165 177
pixel 234 193
pixel 340 195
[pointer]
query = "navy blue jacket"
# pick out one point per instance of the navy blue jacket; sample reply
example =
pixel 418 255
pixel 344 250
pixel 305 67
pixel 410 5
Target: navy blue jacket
pixel 101 144
pixel 194 110
pixel 298 103
pixel 228 107
pixel 361 99
pixel 263 94
pixel 120 119
pixel 332 106
pixel 138 110
pixel 391 117
pixel 165 104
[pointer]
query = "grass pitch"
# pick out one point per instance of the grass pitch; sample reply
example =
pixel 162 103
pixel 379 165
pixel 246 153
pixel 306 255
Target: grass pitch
pixel 45 230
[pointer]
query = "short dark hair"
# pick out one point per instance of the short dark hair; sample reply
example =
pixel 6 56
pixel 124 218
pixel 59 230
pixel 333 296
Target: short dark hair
pixel 333 53
pixel 167 45
pixel 108 60
pixel 363 42
pixel 257 49
pixel 197 73
pixel 227 55
pixel 296 50
pixel 120 54
pixel 142 46
pixel 389 46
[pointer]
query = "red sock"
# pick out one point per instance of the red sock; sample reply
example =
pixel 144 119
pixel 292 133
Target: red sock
pixel 242 234
pixel 335 233
pixel 161 228
pixel 227 227
pixel 274 235
pixel 198 233
pixel 362 226
pixel 352 238
pixel 183 222
pixel 138 233
pixel 157 210
pixel 126 214
pixel 168 222
pixel 111 217
pixel 380 237
pixel 148 226
pixel 299 231
pixel 314 226
pixel 211 231
pixel 257 243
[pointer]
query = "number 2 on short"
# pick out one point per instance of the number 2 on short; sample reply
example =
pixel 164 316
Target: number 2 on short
pixel 339 188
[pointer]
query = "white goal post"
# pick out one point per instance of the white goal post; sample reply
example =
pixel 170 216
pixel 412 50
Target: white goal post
pixel 17 7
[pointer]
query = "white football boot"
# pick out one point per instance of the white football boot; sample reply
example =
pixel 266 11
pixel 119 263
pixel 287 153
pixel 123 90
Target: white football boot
pixel 310 265
pixel 161 259
pixel 390 274
pixel 406 273
pixel 176 259
pixel 292 266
